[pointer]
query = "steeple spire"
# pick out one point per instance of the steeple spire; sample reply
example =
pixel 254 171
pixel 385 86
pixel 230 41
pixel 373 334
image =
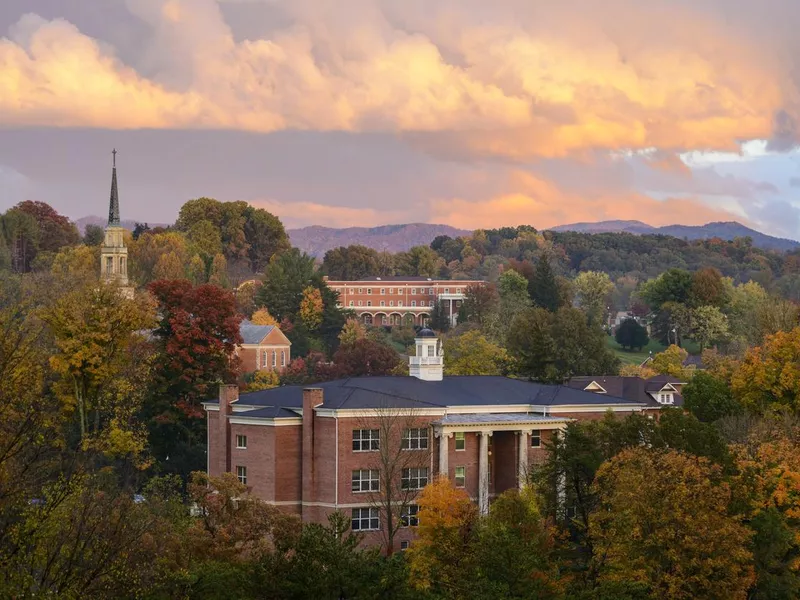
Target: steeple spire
pixel 113 209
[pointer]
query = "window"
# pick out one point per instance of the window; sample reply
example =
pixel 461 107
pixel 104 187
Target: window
pixel 409 516
pixel 391 302
pixel 360 290
pixel 365 519
pixel 446 290
pixel 264 359
pixel 414 478
pixel 404 545
pixel 122 266
pixel 369 291
pixel 461 442
pixel 360 302
pixel 413 290
pixel 461 476
pixel 369 302
pixel 415 439
pixel 365 440
pixel 536 438
pixel 665 398
pixel 283 358
pixel 391 290
pixel 351 290
pixel 413 303
pixel 430 291
pixel 366 480
pixel 399 303
pixel 274 359
pixel 109 265
pixel 241 441
pixel 351 303
pixel 383 291
pixel 431 350
pixel 458 290
pixel 241 474
pixel 383 303
pixel 431 303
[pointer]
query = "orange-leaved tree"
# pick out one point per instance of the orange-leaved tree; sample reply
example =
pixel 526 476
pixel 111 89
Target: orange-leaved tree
pixel 663 522
pixel 441 556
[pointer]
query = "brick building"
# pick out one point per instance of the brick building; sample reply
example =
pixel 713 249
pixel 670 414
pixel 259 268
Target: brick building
pixel 399 300
pixel 264 347
pixel 322 448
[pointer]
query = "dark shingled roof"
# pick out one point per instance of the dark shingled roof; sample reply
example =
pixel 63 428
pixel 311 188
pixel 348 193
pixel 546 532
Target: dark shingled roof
pixel 410 392
pixel 270 412
pixel 633 388
pixel 252 333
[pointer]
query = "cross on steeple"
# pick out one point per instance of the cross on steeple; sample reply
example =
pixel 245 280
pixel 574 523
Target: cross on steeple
pixel 114 159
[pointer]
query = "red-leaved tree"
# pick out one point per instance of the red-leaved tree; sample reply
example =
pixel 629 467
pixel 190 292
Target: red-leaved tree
pixel 199 330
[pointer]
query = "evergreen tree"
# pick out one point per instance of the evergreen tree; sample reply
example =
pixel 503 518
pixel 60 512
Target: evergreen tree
pixel 543 287
pixel 632 335
pixel 439 319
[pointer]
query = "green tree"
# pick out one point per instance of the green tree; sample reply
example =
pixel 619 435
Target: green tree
pixel 350 263
pixel 630 334
pixel 93 235
pixel 709 325
pixel 285 278
pixel 709 398
pixel 218 273
pixel 419 261
pixel 265 236
pixel 204 239
pixel 664 520
pixel 593 293
pixel 472 354
pixel 543 287
pixel 674 285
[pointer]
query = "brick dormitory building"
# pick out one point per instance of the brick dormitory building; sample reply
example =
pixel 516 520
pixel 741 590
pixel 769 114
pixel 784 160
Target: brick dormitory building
pixel 317 449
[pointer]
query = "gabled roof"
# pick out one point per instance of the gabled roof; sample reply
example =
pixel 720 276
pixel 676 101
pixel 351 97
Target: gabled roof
pixel 255 334
pixel 633 388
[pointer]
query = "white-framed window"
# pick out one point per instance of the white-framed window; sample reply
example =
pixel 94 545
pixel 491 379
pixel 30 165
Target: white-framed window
pixel 391 302
pixel 241 474
pixel 391 290
pixel 283 358
pixel 241 441
pixel 369 302
pixel 409 515
pixel 383 303
pixel 365 440
pixel 413 290
pixel 458 290
pixel 369 291
pixel 351 290
pixel 665 398
pixel 399 303
pixel 415 438
pixel 366 480
pixel 360 290
pixel 461 440
pixel 446 290
pixel 351 303
pixel 365 519
pixel 414 478
pixel 430 291
pixel 274 359
pixel 413 303
pixel 431 351
pixel 403 545
pixel 431 302
pixel 360 302
pixel 264 359
pixel 536 438
pixel 461 477
pixel 383 291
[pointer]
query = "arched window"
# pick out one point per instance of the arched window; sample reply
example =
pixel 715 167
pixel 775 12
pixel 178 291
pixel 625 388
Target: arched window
pixel 283 358
pixel 274 359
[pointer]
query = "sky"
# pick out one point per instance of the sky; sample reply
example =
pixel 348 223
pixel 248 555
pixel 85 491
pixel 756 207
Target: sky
pixel 368 112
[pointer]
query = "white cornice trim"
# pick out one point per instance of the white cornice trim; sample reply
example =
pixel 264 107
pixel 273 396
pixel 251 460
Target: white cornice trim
pixel 594 408
pixel 268 421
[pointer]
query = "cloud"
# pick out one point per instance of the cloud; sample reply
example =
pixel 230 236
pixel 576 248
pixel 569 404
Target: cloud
pixel 526 79
pixel 302 214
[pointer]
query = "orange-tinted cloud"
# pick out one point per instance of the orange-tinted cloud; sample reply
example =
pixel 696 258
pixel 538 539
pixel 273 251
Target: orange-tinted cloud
pixel 539 78
pixel 301 214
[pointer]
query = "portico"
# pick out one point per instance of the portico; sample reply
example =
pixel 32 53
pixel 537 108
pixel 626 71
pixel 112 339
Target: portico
pixel 481 427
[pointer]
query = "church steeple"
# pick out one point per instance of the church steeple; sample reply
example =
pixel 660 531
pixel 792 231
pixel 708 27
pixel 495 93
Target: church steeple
pixel 113 208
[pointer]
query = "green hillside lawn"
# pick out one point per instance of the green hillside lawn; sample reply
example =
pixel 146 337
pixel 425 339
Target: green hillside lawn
pixel 638 357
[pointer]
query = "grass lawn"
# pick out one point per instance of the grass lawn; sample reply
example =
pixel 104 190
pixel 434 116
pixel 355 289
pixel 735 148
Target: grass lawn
pixel 638 357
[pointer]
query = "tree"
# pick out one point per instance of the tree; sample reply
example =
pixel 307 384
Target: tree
pixel 443 552
pixel 543 287
pixel 709 398
pixel 674 285
pixel 352 331
pixel 262 317
pixel 265 237
pixel 93 235
pixel 285 278
pixel 56 231
pixel 479 302
pixel 21 237
pixel 440 320
pixel 513 291
pixel 419 261
pixel 593 292
pixel 552 347
pixel 350 263
pixel 709 325
pixel 198 332
pixel 632 335
pixel 148 251
pixel 204 240
pixel 685 543
pixel 218 274
pixel 472 354
pixel 365 357
pixel 263 380
pixel 196 270
pixel 769 376
pixel 101 362
pixel 708 289
pixel 744 309
pixel 76 264
pixel 311 308
pixel 670 362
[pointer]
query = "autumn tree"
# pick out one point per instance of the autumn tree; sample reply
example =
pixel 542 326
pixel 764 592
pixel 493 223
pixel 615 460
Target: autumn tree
pixel 593 292
pixel 263 380
pixel 55 230
pixel 102 362
pixel 262 317
pixel 311 308
pixel 708 288
pixel 472 354
pixel 442 554
pixel 709 325
pixel 690 546
pixel 670 362
pixel 352 331
pixel 365 357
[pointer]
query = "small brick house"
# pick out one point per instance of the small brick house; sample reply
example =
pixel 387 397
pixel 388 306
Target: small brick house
pixel 264 347
pixel 317 449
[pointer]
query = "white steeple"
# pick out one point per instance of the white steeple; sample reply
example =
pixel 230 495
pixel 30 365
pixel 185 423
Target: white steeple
pixel 428 364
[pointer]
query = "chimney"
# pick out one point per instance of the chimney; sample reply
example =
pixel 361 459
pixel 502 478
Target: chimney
pixel 228 394
pixel 312 397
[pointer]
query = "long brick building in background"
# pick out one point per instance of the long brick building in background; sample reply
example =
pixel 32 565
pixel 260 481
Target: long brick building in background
pixel 400 300
pixel 314 450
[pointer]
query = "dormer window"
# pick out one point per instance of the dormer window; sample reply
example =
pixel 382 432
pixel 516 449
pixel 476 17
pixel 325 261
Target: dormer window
pixel 665 398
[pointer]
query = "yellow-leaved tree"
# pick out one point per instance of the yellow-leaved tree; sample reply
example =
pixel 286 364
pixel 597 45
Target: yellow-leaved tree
pixel 670 362
pixel 311 308
pixel 472 354
pixel 663 522
pixel 262 317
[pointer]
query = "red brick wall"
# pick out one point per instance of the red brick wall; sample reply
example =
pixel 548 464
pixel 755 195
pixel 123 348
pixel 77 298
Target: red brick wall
pixel 288 464
pixel 504 461
pixel 214 443
pixel 252 359
pixel 259 458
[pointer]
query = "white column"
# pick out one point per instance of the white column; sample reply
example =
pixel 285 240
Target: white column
pixel 444 450
pixel 522 462
pixel 483 473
